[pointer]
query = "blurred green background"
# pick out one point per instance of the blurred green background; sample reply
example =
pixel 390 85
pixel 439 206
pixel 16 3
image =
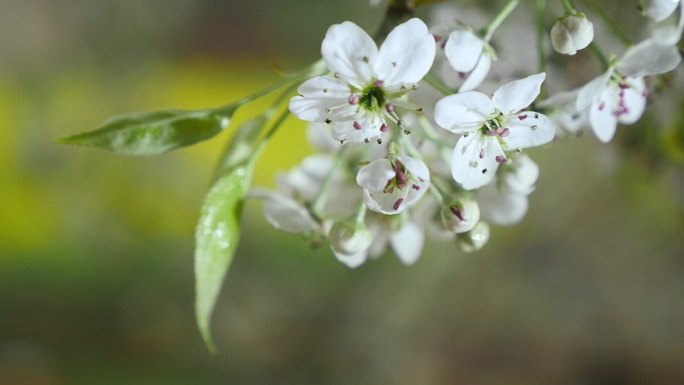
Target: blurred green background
pixel 96 280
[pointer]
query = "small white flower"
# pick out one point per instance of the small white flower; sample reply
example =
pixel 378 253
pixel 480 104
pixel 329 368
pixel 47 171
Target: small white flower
pixel 505 203
pixel 491 126
pixel 461 215
pixel 390 186
pixel 285 213
pixel 619 95
pixel 571 33
pixel 359 97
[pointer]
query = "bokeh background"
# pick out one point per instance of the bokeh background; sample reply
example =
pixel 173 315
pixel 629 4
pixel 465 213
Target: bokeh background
pixel 96 279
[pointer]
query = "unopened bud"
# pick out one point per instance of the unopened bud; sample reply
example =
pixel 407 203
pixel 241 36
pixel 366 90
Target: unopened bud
pixel 350 237
pixel 474 239
pixel 461 215
pixel 571 33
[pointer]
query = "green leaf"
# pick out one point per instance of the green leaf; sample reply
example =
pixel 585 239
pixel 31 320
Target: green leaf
pixel 152 133
pixel 217 237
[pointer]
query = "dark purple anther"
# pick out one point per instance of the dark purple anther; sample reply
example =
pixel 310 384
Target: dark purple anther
pixel 357 125
pixel 522 117
pixel 400 175
pixel 389 107
pixel 398 203
pixel 384 127
pixel 457 212
pixel 415 187
pixel 500 159
pixel 504 132
pixel 353 99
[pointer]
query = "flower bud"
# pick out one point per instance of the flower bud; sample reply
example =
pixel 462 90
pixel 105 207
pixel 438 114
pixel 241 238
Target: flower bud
pixel 571 33
pixel 461 215
pixel 474 239
pixel 350 238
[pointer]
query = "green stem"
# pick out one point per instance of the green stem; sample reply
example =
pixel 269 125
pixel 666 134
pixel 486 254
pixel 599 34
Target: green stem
pixel 598 52
pixel 324 191
pixel 499 19
pixel 438 85
pixel 360 216
pixel 569 8
pixel 314 69
pixel 540 12
pixel 614 28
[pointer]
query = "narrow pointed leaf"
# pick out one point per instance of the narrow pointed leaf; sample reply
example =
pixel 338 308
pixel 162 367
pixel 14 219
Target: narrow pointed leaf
pixel 217 237
pixel 152 133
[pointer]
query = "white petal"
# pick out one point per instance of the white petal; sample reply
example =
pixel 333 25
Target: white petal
pixel 316 96
pixel 518 94
pixel 658 9
pixel 318 135
pixel 528 129
pixel 520 176
pixel 407 242
pixel 352 260
pixel 602 117
pixel 386 203
pixel 467 168
pixel 463 50
pixel 590 91
pixel 349 52
pixel 501 208
pixel 463 112
pixel 349 131
pixel 475 78
pixel 374 176
pixel 284 213
pixel 416 167
pixel 406 55
pixel 634 100
pixel 649 58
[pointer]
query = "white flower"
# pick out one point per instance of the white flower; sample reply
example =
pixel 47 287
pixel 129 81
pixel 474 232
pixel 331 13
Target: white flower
pixel 358 98
pixel 390 186
pixel 489 127
pixel 284 213
pixel 470 56
pixel 619 95
pixel 461 215
pixel 505 203
pixel 571 33
pixel 288 208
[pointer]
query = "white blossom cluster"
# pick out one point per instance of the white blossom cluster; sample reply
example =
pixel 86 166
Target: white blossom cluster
pixel 396 165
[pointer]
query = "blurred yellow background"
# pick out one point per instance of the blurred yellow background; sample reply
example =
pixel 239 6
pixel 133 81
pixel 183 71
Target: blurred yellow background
pixel 96 280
